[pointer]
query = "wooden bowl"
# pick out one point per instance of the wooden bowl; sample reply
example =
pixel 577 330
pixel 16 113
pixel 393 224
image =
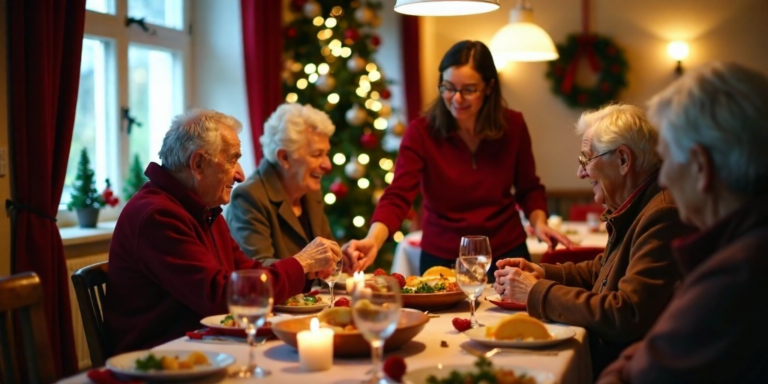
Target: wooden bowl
pixel 432 301
pixel 352 343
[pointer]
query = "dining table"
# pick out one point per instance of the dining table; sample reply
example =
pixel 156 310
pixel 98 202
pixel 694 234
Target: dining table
pixel 438 344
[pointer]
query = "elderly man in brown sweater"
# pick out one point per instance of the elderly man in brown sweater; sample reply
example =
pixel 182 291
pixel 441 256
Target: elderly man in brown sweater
pixel 618 295
pixel 713 137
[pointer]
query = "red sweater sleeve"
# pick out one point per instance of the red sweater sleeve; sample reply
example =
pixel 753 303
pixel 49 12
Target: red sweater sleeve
pixel 529 191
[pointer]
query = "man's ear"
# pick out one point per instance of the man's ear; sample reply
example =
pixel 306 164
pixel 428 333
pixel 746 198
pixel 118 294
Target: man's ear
pixel 625 159
pixel 703 167
pixel 196 163
pixel 282 158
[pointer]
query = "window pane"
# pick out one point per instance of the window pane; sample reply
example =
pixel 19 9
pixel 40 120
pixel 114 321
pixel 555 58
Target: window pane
pixel 155 97
pixel 168 13
pixel 90 131
pixel 101 6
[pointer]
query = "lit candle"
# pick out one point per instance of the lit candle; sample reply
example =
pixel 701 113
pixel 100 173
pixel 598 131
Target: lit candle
pixel 315 347
pixel 357 277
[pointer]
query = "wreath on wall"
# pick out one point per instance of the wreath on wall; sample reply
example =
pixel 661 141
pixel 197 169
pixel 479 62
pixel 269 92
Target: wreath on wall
pixel 604 57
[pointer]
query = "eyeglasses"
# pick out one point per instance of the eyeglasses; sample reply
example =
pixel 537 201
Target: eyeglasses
pixel 467 93
pixel 584 161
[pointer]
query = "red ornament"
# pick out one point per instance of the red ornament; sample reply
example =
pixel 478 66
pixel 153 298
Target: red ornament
pixel 582 98
pixel 291 32
pixel 352 34
pixel 298 5
pixel 375 40
pixel 339 189
pixel 369 140
pixel 605 87
pixel 385 94
pixel 611 50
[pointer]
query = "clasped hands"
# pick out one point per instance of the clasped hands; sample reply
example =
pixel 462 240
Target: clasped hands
pixel 319 258
pixel 515 278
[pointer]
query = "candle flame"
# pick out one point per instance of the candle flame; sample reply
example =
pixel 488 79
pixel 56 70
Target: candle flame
pixel 359 275
pixel 314 324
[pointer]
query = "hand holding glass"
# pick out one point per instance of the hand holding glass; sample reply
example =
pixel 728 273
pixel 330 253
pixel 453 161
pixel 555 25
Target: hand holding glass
pixel 249 296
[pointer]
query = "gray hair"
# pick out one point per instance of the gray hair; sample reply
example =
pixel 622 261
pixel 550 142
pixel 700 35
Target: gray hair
pixel 622 124
pixel 287 128
pixel 724 108
pixel 196 129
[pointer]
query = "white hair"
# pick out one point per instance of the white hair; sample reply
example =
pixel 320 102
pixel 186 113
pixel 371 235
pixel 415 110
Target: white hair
pixel 724 108
pixel 622 124
pixel 196 129
pixel 287 128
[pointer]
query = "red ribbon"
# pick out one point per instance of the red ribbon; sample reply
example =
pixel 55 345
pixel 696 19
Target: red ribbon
pixel 586 50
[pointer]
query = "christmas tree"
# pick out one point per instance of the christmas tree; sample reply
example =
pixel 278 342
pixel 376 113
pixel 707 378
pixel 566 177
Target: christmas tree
pixel 136 178
pixel 85 194
pixel 329 64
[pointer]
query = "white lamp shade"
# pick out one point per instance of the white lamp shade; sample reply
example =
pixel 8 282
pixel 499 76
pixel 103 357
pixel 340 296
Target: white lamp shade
pixel 445 7
pixel 678 50
pixel 522 40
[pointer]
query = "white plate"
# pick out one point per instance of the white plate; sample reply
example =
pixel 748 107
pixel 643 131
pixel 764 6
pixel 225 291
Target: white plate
pixel 304 308
pixel 214 322
pixel 418 376
pixel 125 364
pixel 559 334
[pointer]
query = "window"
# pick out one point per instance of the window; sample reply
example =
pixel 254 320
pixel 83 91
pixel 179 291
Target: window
pixel 139 68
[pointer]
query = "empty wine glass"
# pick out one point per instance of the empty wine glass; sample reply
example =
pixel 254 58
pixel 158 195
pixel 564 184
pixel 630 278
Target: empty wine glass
pixel 376 306
pixel 471 278
pixel 332 278
pixel 249 296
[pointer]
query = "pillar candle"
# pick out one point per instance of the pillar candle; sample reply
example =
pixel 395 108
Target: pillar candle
pixel 315 347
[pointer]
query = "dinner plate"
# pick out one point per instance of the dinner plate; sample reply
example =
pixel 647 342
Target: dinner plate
pixel 304 308
pixel 432 301
pixel 559 334
pixel 214 322
pixel 442 371
pixel 511 305
pixel 125 364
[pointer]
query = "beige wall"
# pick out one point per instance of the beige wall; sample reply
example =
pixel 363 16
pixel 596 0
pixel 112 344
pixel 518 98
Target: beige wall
pixel 715 30
pixel 5 183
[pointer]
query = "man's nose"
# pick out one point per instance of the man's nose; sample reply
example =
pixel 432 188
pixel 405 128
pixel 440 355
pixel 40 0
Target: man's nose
pixel 239 174
pixel 581 172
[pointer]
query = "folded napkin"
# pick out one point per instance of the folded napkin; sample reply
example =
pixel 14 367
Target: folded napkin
pixel 200 333
pixel 106 376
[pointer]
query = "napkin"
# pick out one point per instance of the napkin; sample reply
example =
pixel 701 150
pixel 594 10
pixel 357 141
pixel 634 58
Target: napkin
pixel 200 333
pixel 106 376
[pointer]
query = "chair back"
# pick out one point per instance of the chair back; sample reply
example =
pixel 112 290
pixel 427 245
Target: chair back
pixel 574 255
pixel 21 304
pixel 578 212
pixel 90 288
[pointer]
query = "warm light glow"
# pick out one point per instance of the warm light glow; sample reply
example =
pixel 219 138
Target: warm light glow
pixel 325 34
pixel 325 50
pixel 339 159
pixel 310 68
pixel 678 50
pixel 329 198
pixel 522 40
pixel 386 164
pixel 335 43
pixel 358 221
pixel 376 106
pixel 363 183
pixel 389 177
pixel 398 236
pixel 336 11
pixel 336 51
pixel 445 7
pixel 301 84
pixel 363 159
pixel 346 52
pixel 333 98
pixel 330 22
pixel 314 324
pixel 291 97
pixel 318 21
pixel 323 68
pixel 364 84
pixel 374 95
pixel 374 75
pixel 313 77
pixel 369 103
pixel 370 67
pixel 361 92
pixel 380 123
pixel 296 67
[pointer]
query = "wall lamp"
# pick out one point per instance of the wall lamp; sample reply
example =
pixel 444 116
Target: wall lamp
pixel 678 50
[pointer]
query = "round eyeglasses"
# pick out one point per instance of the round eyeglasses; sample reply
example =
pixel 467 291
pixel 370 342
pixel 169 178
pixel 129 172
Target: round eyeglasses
pixel 466 93
pixel 584 160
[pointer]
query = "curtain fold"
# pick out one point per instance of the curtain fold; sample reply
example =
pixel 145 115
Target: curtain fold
pixel 45 42
pixel 263 53
pixel 411 51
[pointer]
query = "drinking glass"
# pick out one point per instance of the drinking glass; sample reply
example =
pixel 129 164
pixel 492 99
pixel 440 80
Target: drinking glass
pixel 471 277
pixel 477 246
pixel 332 278
pixel 249 296
pixel 376 306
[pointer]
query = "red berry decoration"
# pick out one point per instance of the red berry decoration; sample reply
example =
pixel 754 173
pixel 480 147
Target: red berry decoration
pixel 341 302
pixel 400 279
pixel 339 189
pixel 385 94
pixel 352 34
pixel 394 367
pixel 379 272
pixel 461 325
pixel 375 40
pixel 369 140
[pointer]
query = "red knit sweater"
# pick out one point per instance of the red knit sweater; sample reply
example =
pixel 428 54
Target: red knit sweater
pixel 464 194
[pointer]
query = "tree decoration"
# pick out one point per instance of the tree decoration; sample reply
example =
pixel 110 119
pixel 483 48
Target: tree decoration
pixel 364 15
pixel 136 178
pixel 352 34
pixel 397 129
pixel 339 189
pixel 376 195
pixel 354 170
pixel 356 116
pixel 375 41
pixel 385 94
pixel 312 9
pixel 368 140
pixel 84 193
pixel 291 32
pixel 298 5
pixel 355 64
pixel 325 83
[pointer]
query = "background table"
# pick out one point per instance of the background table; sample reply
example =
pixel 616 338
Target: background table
pixel 572 364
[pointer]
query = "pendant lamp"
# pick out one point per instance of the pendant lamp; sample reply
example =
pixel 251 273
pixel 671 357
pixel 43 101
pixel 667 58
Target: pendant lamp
pixel 522 39
pixel 445 7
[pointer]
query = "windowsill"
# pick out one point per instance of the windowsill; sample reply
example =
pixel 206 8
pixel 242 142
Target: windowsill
pixel 77 235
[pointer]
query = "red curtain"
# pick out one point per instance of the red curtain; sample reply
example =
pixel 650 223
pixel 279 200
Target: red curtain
pixel 45 44
pixel 411 48
pixel 263 51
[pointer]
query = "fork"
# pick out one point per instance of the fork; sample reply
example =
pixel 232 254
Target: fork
pixel 477 352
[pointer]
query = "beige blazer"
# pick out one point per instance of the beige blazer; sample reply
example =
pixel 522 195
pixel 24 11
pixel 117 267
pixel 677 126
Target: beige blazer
pixel 262 221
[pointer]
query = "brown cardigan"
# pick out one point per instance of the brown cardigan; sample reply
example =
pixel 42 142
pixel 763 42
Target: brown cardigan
pixel 618 296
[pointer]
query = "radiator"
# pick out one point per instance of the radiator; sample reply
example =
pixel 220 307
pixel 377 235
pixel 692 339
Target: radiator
pixel 81 345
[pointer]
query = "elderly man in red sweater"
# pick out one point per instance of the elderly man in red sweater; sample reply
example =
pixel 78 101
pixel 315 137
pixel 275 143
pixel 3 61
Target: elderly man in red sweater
pixel 172 254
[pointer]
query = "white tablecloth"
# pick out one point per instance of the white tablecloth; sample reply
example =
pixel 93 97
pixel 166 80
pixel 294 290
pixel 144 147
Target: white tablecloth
pixel 407 252
pixel 571 365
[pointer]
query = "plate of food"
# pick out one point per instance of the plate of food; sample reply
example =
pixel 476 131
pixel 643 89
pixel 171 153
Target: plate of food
pixel 304 303
pixel 347 340
pixel 520 330
pixel 500 302
pixel 163 365
pixel 436 289
pixel 226 325
pixel 478 372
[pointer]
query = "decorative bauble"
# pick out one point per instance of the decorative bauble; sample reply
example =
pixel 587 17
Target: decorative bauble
pixel 397 128
pixel 354 170
pixel 325 83
pixel 369 140
pixel 376 195
pixel 291 32
pixel 374 40
pixel 352 34
pixel 355 64
pixel 386 110
pixel 385 94
pixel 312 9
pixel 356 116
pixel 376 22
pixel 364 15
pixel 339 189
pixel 298 5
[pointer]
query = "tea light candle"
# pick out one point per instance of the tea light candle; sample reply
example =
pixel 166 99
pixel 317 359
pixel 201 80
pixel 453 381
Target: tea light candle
pixel 357 277
pixel 315 347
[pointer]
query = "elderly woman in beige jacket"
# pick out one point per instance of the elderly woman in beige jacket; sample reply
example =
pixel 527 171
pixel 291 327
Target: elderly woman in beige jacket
pixel 618 295
pixel 279 209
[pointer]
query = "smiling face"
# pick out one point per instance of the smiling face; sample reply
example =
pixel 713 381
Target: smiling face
pixel 464 78
pixel 220 173
pixel 306 167
pixel 603 173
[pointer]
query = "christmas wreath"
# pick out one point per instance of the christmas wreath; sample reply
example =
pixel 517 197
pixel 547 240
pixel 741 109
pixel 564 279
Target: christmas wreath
pixel 604 57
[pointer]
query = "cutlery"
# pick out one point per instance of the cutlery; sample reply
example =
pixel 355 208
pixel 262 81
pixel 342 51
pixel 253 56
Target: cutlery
pixel 430 315
pixel 480 352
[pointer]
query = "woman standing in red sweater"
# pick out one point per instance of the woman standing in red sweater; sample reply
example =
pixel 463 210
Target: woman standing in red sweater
pixel 473 161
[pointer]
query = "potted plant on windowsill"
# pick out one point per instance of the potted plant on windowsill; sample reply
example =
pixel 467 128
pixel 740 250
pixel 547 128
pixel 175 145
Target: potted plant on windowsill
pixel 86 201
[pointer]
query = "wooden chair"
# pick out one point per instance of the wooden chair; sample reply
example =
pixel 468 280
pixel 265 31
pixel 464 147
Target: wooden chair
pixel 574 255
pixel 21 302
pixel 89 283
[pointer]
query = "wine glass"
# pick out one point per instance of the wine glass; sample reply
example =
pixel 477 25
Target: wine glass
pixel 471 278
pixel 332 278
pixel 477 246
pixel 376 306
pixel 249 296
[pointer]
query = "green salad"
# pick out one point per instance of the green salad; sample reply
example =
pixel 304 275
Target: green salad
pixel 485 373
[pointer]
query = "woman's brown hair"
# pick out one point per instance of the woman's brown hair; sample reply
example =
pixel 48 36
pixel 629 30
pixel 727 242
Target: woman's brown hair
pixel 491 119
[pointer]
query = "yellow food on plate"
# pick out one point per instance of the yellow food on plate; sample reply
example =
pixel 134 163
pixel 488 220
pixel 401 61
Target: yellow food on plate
pixel 197 358
pixel 519 326
pixel 171 363
pixel 438 271
pixel 337 318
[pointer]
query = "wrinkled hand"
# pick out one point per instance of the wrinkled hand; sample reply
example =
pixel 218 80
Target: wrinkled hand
pixel 321 255
pixel 551 237
pixel 515 285
pixel 534 269
pixel 359 254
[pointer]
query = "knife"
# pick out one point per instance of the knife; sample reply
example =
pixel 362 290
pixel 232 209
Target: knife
pixel 472 350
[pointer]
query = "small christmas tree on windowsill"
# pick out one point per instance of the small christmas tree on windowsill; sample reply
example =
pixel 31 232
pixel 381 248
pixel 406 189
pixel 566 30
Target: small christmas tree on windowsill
pixel 85 199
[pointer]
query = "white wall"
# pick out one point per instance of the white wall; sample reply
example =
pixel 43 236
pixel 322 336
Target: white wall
pixel 715 30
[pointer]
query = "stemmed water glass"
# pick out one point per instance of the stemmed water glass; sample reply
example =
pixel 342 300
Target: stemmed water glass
pixel 376 306
pixel 332 278
pixel 249 296
pixel 472 270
